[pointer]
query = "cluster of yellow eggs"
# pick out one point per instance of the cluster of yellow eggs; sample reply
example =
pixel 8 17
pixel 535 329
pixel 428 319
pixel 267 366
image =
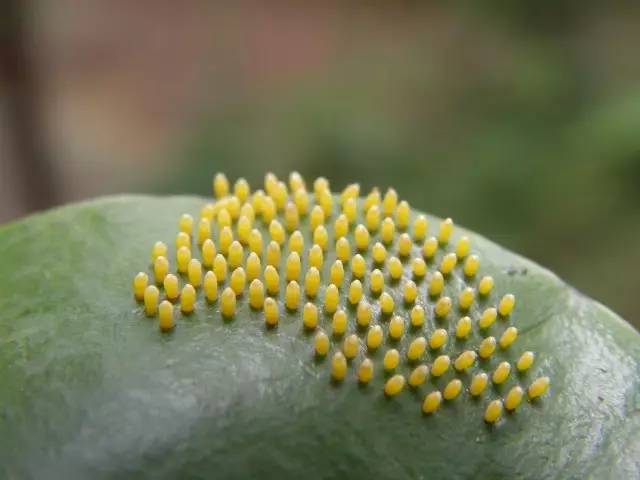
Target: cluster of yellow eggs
pixel 368 278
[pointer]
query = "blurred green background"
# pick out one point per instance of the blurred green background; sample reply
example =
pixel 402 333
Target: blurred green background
pixel 521 120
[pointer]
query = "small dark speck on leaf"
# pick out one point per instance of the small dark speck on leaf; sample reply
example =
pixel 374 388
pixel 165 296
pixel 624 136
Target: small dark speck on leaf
pixel 601 398
pixel 511 271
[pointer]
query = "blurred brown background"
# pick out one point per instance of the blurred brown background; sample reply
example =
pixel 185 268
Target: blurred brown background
pixel 519 119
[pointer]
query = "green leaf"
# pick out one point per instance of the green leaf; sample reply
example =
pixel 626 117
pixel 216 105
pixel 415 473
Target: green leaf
pixel 89 386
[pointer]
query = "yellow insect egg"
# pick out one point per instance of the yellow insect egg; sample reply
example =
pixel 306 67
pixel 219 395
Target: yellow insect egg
pixel 238 280
pixel 355 292
pixel 351 346
pixel 310 316
pixel 183 240
pixel 351 191
pixel 254 266
pixel 436 284
pixel 505 307
pixel 465 299
pixel 183 257
pixel 140 282
pixel 255 241
pixel 365 371
pixel 301 201
pixel 220 267
pixel 338 366
pixel 488 318
pixel 465 360
pixel 235 254
pixel 463 328
pixel 432 402
pixel 373 198
pixel 257 201
pixel 339 323
pixel 349 208
pixel 508 337
pixel 331 298
pixel 277 232
pixel 416 349
pixel 538 388
pixel 440 365
pixel 361 237
pixel 341 226
pixel 271 312
pixel 204 230
pixel 159 249
pixel 372 218
pixel 389 202
pixel 452 390
pixel 268 210
pixel 487 347
pixel 187 298
pixel 272 280
pixel 247 211
pixel 291 217
pixel 208 253
pixel 443 307
pixel 294 266
pixel 429 247
pixel 210 286
pixel 387 304
pixel 292 295
pixel 233 206
pixel 256 294
pixel 185 223
pixel 525 361
pixel 448 263
pixel 513 398
pixel 161 268
pixel 321 343
pixel 244 229
pixel 296 182
pixel 317 217
pixel 410 291
pixel 194 272
pixel 396 327
pixel 394 385
pixel 379 253
pixel 404 245
pixel 419 267
pixel 478 384
pixel 316 257
pixel 501 373
pixel 375 335
pixel 151 297
pixel 326 202
pixel 208 211
pixel 391 359
pixel 417 316
pixel 418 376
pixel 321 237
pixel 343 249
pixel 364 313
pixel 224 218
pixel 403 215
pixel 280 195
pixel 220 185
pixel 493 412
pixel 485 286
pixel 420 229
pixel 462 247
pixel 270 183
pixel 273 254
pixel 336 273
pixel 358 266
pixel 241 189
pixel 165 313
pixel 296 242
pixel 225 239
pixel 376 280
pixel 395 268
pixel 312 282
pixel 446 228
pixel 438 338
pixel 387 230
